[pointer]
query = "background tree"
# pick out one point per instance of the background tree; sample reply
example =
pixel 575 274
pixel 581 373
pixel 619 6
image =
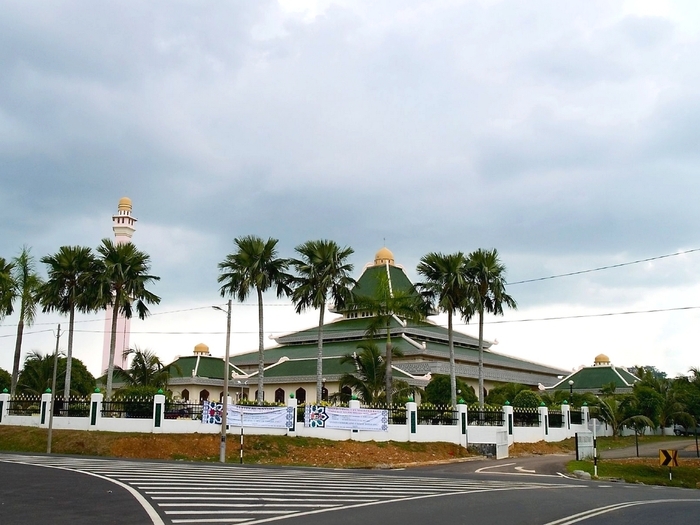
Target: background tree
pixel 255 266
pixel 499 394
pixel 617 412
pixel 124 275
pixel 447 286
pixel 7 289
pixel 489 295
pixel 384 306
pixel 527 399
pixel 71 285
pixel 5 379
pixel 146 369
pixel 368 380
pixel 323 274
pixel 438 391
pixel 26 283
pixel 37 375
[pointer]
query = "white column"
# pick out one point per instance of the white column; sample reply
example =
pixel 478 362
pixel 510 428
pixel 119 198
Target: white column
pixel 544 421
pixel 412 420
pixel 354 403
pixel 45 409
pixel 4 406
pixel 463 434
pixel 95 410
pixel 508 422
pixel 158 412
pixel 566 416
pixel 585 415
pixel 292 404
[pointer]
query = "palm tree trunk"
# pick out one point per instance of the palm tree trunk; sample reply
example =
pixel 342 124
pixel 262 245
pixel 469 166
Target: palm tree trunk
pixel 388 365
pixel 319 359
pixel 261 349
pixel 18 352
pixel 69 354
pixel 453 375
pixel 112 346
pixel 481 358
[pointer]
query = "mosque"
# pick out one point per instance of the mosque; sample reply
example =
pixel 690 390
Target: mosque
pixel 290 366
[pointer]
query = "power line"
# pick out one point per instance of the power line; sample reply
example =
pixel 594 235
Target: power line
pixel 600 268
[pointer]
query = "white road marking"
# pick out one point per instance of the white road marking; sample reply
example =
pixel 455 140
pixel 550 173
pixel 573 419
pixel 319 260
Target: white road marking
pixel 581 516
pixel 523 469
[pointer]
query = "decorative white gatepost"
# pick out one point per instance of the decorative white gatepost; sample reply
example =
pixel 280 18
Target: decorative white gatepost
pixel 292 402
pixel 95 409
pixel 566 416
pixel 508 422
pixel 544 420
pixel 158 412
pixel 354 403
pixel 462 423
pixel 45 409
pixel 4 405
pixel 585 414
pixel 412 420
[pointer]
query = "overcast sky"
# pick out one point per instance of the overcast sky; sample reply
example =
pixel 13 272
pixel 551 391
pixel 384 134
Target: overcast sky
pixel 564 134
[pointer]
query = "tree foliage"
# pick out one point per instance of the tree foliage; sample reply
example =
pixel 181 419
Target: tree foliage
pixel 438 391
pixel 527 399
pixel 37 375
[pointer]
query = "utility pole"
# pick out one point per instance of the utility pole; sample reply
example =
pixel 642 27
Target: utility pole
pixel 53 391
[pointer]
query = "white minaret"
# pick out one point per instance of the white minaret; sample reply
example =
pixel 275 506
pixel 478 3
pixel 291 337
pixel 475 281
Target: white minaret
pixel 123 227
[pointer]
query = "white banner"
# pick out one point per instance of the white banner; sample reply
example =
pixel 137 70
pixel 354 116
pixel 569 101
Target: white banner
pixel 249 416
pixel 346 418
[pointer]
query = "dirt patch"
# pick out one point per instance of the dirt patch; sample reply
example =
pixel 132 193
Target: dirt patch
pixel 541 448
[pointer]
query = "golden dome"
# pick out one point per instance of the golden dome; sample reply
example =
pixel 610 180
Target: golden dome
pixel 125 203
pixel 383 256
pixel 201 349
pixel 601 359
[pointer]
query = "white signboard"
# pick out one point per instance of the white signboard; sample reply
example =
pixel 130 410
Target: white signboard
pixel 346 418
pixel 249 416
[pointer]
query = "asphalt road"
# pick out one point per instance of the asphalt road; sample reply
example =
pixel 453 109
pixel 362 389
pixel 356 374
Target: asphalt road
pixel 68 490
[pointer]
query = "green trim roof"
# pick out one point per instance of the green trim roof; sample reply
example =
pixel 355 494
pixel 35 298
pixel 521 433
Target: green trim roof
pixel 596 377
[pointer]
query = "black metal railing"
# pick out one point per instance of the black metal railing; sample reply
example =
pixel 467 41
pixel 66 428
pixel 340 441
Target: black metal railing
pixel 576 417
pixel 24 406
pixel 183 410
pixel 556 419
pixel 128 408
pixel 437 415
pixel 526 417
pixel 396 413
pixel 487 417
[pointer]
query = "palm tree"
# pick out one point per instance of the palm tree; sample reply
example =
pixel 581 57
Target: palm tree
pixel 488 295
pixel 255 266
pixel 368 380
pixel 146 369
pixel 71 286
pixel 123 277
pixel 447 286
pixel 7 289
pixel 322 276
pixel 26 283
pixel 37 374
pixel 614 409
pixel 384 306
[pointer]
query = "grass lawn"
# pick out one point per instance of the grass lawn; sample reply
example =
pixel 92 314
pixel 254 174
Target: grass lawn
pixel 644 470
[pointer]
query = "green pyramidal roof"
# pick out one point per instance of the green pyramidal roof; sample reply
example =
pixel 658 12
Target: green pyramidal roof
pixel 368 285
pixel 595 377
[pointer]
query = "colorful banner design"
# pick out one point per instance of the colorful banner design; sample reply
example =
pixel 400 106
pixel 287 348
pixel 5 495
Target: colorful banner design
pixel 249 416
pixel 316 416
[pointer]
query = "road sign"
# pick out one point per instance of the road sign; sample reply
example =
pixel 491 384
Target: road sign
pixel 668 458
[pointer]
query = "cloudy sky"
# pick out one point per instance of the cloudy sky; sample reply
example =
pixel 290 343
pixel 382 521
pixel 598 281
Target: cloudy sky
pixel 563 134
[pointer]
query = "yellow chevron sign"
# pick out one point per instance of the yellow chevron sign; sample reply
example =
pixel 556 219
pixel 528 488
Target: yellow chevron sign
pixel 668 458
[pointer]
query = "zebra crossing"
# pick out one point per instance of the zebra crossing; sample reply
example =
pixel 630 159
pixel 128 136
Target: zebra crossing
pixel 187 493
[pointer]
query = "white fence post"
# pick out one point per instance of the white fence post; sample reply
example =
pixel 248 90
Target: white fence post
pixel 45 408
pixel 462 423
pixel 585 415
pixel 412 420
pixel 566 416
pixel 158 411
pixel 354 403
pixel 292 403
pixel 4 405
pixel 508 422
pixel 544 420
pixel 95 409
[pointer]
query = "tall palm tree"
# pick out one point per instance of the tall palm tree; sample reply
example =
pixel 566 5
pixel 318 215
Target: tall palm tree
pixel 614 411
pixel 447 286
pixel 384 306
pixel 488 295
pixel 71 286
pixel 322 276
pixel 370 370
pixel 255 266
pixel 146 369
pixel 26 284
pixel 7 289
pixel 123 277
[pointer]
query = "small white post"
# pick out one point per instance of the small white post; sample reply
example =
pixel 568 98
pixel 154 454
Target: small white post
pixel 354 403
pixel 292 404
pixel 45 409
pixel 95 409
pixel 4 406
pixel 508 422
pixel 412 420
pixel 462 419
pixel 158 412
pixel 544 421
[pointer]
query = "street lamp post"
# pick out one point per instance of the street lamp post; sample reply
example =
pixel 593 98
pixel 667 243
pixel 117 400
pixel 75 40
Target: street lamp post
pixel 224 411
pixel 571 390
